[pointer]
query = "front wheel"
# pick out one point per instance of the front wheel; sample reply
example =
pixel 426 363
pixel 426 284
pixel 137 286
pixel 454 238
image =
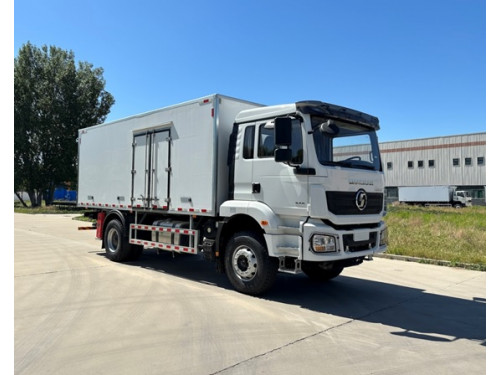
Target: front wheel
pixel 321 271
pixel 248 265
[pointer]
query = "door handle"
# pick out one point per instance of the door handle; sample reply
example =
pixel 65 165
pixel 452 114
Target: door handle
pixel 255 187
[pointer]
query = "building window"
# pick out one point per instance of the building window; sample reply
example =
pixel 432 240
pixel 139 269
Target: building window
pixel 431 163
pixel 468 161
pixel 410 164
pixel 480 160
pixel 456 162
pixel 389 165
pixel 420 163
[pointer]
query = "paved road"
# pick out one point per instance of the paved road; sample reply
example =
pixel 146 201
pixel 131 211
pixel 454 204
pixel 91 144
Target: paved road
pixel 78 313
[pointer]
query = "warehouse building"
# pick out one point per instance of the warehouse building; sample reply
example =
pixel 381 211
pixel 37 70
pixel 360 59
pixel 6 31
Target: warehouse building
pixel 458 160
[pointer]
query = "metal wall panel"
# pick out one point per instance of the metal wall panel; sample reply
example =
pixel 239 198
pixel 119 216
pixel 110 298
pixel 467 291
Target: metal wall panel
pixel 442 150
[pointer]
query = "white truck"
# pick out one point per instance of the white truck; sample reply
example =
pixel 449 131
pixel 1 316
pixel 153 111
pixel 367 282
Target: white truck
pixel 434 196
pixel 257 189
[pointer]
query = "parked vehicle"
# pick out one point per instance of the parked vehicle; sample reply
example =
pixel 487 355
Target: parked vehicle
pixel 257 189
pixel 434 196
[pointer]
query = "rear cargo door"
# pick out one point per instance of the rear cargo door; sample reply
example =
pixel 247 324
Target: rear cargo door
pixel 151 169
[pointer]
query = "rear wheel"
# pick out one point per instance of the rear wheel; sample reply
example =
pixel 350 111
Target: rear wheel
pixel 118 249
pixel 248 265
pixel 321 271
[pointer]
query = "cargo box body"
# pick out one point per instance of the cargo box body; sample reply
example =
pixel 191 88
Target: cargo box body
pixel 426 194
pixel 169 160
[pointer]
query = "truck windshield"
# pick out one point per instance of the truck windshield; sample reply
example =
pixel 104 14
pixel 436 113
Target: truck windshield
pixel 344 144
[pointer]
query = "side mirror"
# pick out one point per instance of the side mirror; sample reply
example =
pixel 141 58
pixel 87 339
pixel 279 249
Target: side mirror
pixel 283 131
pixel 283 155
pixel 329 128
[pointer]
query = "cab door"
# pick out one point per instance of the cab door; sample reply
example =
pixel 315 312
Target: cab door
pixel 278 184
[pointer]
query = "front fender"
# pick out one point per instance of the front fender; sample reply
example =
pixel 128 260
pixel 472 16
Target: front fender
pixel 259 211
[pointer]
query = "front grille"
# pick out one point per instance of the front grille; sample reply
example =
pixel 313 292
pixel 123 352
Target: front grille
pixel 353 246
pixel 344 203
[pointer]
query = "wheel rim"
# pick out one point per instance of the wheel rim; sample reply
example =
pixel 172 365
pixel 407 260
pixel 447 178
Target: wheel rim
pixel 113 240
pixel 244 263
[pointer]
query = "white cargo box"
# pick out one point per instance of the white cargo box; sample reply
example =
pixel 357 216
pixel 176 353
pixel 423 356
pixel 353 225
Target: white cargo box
pixel 426 193
pixel 170 160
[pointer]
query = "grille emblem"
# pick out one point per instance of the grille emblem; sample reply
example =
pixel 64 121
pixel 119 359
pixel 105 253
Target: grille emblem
pixel 361 199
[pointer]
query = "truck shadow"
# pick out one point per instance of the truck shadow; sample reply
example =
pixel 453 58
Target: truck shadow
pixel 417 313
pixel 414 312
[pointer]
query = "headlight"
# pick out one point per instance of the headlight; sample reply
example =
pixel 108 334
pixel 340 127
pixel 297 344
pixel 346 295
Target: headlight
pixel 384 237
pixel 321 243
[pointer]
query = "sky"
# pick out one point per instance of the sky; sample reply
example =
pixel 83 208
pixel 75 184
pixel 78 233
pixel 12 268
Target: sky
pixel 418 65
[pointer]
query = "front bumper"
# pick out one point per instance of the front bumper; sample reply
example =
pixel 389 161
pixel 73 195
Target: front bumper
pixel 349 242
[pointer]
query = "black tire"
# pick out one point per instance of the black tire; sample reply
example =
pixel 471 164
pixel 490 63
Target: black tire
pixel 248 266
pixel 321 271
pixel 116 243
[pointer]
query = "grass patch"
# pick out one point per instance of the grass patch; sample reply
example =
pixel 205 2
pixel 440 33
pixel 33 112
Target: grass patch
pixel 54 209
pixel 447 234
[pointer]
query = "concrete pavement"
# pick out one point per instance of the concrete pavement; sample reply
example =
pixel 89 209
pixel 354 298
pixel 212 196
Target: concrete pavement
pixel 76 312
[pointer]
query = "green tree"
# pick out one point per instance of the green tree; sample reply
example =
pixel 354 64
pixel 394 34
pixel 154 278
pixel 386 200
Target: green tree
pixel 53 98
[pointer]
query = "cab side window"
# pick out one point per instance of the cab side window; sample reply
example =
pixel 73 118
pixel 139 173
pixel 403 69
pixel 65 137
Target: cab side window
pixel 297 150
pixel 248 142
pixel 266 142
pixel 267 145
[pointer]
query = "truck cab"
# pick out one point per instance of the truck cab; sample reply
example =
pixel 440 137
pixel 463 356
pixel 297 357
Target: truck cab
pixel 311 174
pixel 462 198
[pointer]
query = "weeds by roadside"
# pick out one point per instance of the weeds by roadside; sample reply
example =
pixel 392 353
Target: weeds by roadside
pixel 457 236
pixel 55 209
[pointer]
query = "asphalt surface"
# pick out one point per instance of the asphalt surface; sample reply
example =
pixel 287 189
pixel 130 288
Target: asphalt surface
pixel 76 312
